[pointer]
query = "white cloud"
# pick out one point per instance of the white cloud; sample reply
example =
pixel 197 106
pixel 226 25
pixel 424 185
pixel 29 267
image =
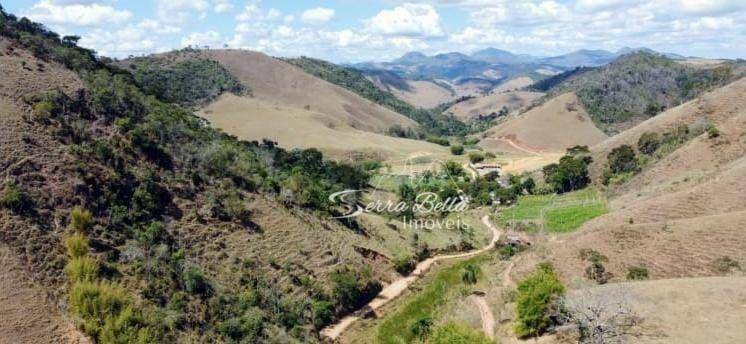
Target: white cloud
pixel 317 15
pixel 201 39
pixel 76 14
pixel 222 6
pixel 178 11
pixel 407 20
pixel 709 7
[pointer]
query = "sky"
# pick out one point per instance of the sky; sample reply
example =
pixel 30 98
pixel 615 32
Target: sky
pixel 359 30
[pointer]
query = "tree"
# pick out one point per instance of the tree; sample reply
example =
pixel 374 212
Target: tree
pixel 622 159
pixel 648 143
pixel 537 296
pixel 601 318
pixel 570 174
pixel 529 185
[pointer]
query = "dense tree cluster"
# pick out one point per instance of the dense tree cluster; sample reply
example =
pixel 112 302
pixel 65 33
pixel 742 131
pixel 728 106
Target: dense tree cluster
pixel 571 173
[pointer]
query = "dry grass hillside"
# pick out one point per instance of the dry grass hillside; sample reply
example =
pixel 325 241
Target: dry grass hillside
pixel 256 119
pixel 513 84
pixel 552 127
pixel 27 152
pixel 684 311
pixel 277 81
pixel 514 101
pixel 681 215
pixel 420 93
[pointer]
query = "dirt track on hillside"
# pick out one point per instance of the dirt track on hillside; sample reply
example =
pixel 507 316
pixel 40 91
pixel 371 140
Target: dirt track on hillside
pixel 397 287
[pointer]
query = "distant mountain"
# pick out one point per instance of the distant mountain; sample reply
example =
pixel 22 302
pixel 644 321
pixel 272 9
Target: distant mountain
pixel 494 65
pixel 588 58
pixel 493 55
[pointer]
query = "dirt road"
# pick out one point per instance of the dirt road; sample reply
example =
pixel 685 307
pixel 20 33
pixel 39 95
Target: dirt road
pixel 488 319
pixel 396 288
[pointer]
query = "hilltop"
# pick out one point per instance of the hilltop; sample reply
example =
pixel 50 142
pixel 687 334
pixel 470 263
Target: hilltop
pixel 640 85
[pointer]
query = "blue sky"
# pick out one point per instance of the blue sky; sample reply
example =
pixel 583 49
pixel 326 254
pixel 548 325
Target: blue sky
pixel 352 31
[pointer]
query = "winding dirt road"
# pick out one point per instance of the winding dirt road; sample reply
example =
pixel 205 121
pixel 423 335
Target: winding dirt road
pixel 397 287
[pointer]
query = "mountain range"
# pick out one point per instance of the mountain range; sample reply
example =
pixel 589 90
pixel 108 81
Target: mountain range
pixel 494 64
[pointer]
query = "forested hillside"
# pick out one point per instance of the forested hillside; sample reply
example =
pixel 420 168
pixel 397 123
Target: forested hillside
pixel 119 202
pixel 638 86
pixel 189 81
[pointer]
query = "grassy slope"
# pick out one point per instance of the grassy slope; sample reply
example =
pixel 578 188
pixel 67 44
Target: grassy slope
pixel 556 213
pixel 433 122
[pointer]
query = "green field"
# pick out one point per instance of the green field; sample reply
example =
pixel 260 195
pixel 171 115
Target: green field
pixel 387 182
pixel 554 213
pixel 428 302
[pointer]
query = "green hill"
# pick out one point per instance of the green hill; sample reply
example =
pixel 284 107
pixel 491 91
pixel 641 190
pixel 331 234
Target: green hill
pixel 638 86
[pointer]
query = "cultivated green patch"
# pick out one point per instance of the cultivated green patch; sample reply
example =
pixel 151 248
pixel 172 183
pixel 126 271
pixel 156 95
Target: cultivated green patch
pixel 554 213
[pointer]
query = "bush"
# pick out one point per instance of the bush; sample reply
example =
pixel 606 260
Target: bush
pixel 637 273
pixel 648 143
pixel 404 264
pixel 438 140
pixel 322 313
pixel 470 274
pixel 537 294
pixel 457 149
pixel 95 302
pixel 622 159
pixel 353 288
pixel 76 245
pixel 452 333
pixel 713 132
pixel 82 269
pixel 15 199
pixel 422 327
pixel 195 282
pixel 476 157
pixel 725 265
pixel 81 220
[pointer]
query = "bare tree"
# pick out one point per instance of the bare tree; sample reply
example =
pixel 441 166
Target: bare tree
pixel 602 317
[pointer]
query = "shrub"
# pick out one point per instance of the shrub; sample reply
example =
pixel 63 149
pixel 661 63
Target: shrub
pixel 452 333
pixel 15 199
pixel 195 282
pixel 648 143
pixel 713 132
pixel 81 220
pixel 457 149
pixel 422 327
pixel 470 274
pixel 95 302
pixel 438 140
pixel 637 273
pixel 725 265
pixel 80 269
pixel 76 245
pixel 322 313
pixel 536 297
pixel 476 157
pixel 353 288
pixel 404 264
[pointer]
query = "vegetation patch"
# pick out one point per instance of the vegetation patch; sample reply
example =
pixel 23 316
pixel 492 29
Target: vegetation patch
pixel 426 303
pixel 537 300
pixel 555 213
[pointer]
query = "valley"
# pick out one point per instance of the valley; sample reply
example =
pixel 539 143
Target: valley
pixel 227 195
